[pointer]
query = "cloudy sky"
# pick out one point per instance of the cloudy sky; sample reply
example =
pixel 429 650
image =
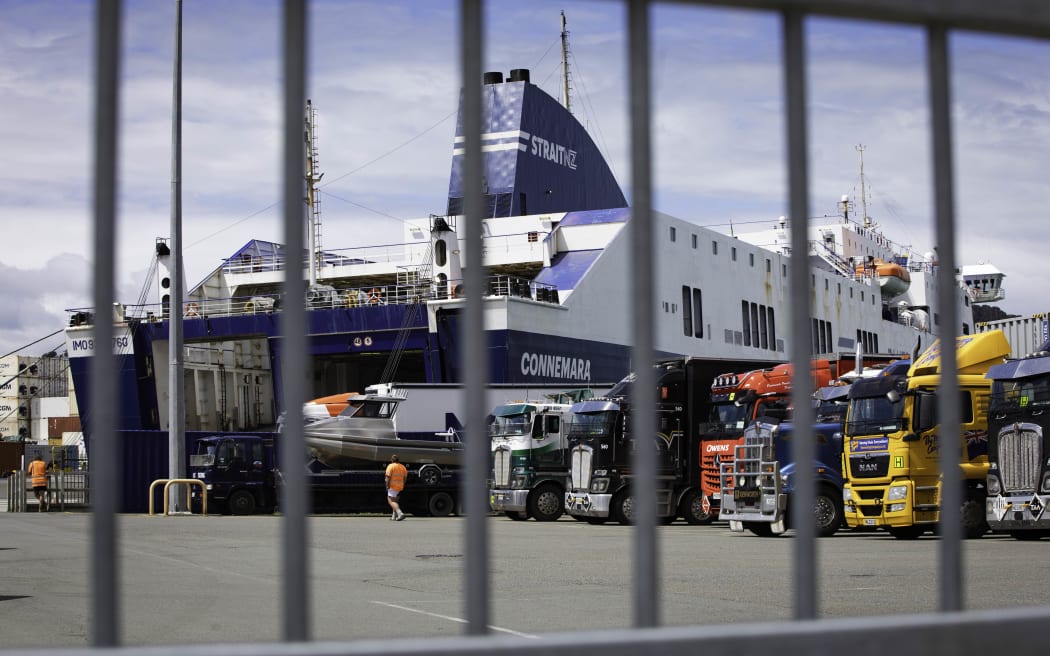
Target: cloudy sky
pixel 384 78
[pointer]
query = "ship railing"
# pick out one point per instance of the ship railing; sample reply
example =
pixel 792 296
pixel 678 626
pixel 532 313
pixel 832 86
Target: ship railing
pixel 404 254
pixel 327 298
pixel 526 246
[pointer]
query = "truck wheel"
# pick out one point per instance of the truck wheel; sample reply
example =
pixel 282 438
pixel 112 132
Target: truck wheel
pixel 546 503
pixel 974 524
pixel 623 507
pixel 441 504
pixel 429 474
pixel 827 511
pixel 692 508
pixel 906 532
pixel 515 515
pixel 241 502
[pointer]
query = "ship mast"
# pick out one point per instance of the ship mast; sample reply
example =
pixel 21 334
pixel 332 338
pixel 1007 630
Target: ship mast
pixel 863 189
pixel 313 199
pixel 565 63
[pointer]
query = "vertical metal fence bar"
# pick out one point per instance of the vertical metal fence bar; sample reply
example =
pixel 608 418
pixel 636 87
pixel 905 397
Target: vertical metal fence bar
pixel 474 358
pixel 294 362
pixel 105 630
pixel 948 409
pixel 803 449
pixel 176 352
pixel 643 419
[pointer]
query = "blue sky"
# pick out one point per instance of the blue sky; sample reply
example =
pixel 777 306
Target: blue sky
pixel 384 78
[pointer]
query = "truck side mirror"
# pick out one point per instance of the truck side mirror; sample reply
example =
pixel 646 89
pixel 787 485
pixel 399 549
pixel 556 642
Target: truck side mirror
pixel 910 437
pixel 893 396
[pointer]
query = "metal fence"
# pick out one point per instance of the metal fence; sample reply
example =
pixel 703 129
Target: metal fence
pixel 66 490
pixel 951 631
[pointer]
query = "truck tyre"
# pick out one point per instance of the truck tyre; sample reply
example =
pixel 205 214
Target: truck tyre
pixel 441 504
pixel 516 515
pixel 827 511
pixel 546 503
pixel 241 502
pixel 907 532
pixel 691 508
pixel 623 507
pixel 429 474
pixel 974 524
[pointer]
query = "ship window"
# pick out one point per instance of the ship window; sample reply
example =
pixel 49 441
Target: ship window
pixel 862 296
pixel 746 322
pixel 814 337
pixel 754 323
pixel 839 289
pixel 769 265
pixel 521 202
pixel 851 292
pixel 714 248
pixel 732 253
pixel 687 311
pixel 440 253
pixel 763 332
pixel 751 259
pixel 772 330
pixel 534 237
pixel 698 314
pixel 673 233
pixel 783 269
pixel 694 241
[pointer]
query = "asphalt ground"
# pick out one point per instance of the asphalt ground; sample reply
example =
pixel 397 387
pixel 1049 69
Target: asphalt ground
pixel 216 579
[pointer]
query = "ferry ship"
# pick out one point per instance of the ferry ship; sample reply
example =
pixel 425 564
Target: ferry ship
pixel 557 305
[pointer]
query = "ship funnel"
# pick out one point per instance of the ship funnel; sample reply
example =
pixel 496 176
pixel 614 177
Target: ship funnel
pixel 519 75
pixel 492 77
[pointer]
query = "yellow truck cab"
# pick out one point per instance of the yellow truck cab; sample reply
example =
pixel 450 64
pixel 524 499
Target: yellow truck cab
pixel 891 443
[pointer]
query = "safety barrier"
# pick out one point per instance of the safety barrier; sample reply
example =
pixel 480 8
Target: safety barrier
pixel 189 483
pixel 65 491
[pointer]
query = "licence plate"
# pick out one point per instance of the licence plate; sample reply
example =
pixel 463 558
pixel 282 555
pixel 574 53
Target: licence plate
pixel 869 522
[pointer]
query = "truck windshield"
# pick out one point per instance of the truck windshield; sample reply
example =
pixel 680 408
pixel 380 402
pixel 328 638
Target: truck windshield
pixel 874 415
pixel 510 425
pixel 1020 394
pixel 592 424
pixel 205 456
pixel 729 416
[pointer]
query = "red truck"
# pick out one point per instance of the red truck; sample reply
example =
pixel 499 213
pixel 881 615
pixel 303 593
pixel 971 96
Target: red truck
pixel 737 399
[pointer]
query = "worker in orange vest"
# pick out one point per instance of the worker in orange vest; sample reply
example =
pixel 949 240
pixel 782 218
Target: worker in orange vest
pixel 396 473
pixel 37 472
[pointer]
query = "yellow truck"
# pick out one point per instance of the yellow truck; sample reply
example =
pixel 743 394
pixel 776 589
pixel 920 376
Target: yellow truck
pixel 891 442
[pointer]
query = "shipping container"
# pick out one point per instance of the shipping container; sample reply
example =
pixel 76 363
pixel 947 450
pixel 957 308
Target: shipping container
pixel 1025 334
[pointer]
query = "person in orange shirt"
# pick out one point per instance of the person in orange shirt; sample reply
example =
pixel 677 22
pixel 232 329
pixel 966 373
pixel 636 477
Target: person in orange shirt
pixel 396 473
pixel 37 471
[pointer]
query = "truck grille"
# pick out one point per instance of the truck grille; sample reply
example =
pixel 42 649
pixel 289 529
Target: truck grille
pixel 580 468
pixel 501 467
pixel 1020 454
pixel 869 466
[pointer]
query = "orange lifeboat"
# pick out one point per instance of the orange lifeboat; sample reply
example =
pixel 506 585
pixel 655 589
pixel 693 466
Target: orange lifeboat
pixel 893 278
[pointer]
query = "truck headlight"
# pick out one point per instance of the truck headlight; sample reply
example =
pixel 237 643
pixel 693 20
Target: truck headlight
pixel 993 485
pixel 847 495
pixel 208 487
pixel 1045 486
pixel 895 507
pixel 518 482
pixel 897 492
pixel 599 485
